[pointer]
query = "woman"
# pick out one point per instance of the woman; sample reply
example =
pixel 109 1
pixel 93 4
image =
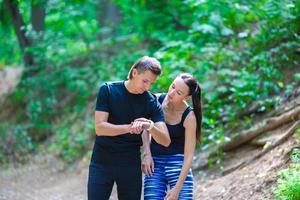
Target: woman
pixel 170 167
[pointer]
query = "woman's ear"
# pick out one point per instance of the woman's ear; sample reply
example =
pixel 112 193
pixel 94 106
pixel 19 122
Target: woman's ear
pixel 187 98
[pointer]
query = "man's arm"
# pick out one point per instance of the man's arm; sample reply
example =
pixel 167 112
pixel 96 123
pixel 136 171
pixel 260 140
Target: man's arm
pixel 158 131
pixel 103 128
pixel 160 134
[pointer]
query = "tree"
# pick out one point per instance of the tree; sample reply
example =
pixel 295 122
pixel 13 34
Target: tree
pixel 108 16
pixel 38 13
pixel 12 7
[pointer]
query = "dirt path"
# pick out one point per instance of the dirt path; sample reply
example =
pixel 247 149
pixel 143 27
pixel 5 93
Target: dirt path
pixel 46 179
pixel 41 180
pixel 50 179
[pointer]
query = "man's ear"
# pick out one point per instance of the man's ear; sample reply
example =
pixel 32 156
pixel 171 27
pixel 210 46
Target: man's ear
pixel 134 72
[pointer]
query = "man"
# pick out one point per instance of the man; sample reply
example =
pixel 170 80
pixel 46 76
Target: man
pixel 123 110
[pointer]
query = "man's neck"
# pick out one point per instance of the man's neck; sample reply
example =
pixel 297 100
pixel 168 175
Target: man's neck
pixel 130 86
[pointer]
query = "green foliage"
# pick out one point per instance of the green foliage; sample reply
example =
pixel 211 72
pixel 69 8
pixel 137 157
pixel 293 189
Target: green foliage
pixel 71 137
pixel 288 184
pixel 15 143
pixel 7 49
pixel 298 134
pixel 238 51
pixel 295 156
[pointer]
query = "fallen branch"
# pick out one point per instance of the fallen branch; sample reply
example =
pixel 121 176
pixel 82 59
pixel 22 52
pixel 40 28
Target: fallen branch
pixel 258 143
pixel 285 107
pixel 265 126
pixel 286 135
pixel 248 135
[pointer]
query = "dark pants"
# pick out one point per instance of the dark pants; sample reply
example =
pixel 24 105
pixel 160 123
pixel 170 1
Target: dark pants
pixel 125 172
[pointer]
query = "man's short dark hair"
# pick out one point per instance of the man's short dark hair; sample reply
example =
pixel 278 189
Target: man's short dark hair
pixel 146 63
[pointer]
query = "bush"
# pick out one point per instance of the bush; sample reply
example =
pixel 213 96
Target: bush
pixel 72 136
pixel 15 143
pixel 288 184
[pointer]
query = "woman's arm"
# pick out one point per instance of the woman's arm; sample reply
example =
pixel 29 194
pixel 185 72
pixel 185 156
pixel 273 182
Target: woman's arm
pixel 189 149
pixel 147 162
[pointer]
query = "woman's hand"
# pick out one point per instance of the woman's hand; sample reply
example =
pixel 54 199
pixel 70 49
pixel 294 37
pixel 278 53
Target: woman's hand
pixel 147 165
pixel 172 194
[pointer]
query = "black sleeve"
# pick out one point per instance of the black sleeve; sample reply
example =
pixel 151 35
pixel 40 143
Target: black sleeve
pixel 161 98
pixel 157 114
pixel 102 99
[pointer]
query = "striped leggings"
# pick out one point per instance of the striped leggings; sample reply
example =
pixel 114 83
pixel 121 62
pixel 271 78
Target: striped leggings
pixel 166 173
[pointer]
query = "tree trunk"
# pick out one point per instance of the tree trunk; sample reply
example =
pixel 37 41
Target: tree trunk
pixel 108 17
pixel 38 13
pixel 20 29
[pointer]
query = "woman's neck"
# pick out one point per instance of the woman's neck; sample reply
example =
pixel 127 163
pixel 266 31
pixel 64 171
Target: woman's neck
pixel 175 107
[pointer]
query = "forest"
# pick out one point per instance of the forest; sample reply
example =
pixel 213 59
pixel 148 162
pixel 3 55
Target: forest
pixel 245 54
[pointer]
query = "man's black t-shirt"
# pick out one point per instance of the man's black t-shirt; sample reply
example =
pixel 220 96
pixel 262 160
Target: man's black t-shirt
pixel 123 108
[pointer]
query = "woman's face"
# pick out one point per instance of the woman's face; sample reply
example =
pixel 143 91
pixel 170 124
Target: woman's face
pixel 178 91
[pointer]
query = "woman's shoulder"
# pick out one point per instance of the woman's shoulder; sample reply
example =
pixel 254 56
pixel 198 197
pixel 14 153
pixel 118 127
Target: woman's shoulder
pixel 190 119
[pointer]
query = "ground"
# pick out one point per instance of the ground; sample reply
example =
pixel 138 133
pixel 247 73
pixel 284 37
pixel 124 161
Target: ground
pixel 253 182
pixel 48 178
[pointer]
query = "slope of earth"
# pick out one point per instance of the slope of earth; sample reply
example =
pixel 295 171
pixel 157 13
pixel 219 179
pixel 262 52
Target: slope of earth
pixel 252 182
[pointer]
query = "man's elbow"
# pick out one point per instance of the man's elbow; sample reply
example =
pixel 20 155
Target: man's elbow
pixel 98 130
pixel 167 141
pixel 98 133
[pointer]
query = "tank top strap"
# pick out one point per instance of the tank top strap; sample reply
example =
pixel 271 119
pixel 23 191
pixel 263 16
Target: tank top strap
pixel 185 114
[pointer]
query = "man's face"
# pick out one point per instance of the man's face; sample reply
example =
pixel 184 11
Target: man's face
pixel 143 81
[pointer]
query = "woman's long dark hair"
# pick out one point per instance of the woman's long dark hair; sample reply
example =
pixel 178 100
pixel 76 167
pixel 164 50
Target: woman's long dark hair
pixel 195 92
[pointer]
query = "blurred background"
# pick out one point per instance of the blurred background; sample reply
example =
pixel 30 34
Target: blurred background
pixel 55 54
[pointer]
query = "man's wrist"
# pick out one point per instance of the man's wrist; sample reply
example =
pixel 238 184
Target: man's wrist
pixel 151 125
pixel 128 126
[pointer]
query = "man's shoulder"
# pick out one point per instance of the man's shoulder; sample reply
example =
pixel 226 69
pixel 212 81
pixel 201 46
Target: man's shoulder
pixel 114 83
pixel 111 85
pixel 151 97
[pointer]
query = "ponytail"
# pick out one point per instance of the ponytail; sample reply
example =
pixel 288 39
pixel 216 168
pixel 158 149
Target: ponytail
pixel 197 106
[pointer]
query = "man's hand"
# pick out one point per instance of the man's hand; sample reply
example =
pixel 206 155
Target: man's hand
pixel 139 125
pixel 148 165
pixel 136 127
pixel 146 123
